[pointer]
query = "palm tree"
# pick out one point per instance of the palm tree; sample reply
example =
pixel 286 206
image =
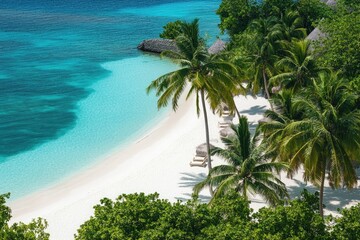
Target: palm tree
pixel 275 121
pixel 297 68
pixel 236 88
pixel 262 61
pixel 247 171
pixel 327 137
pixel 292 23
pixel 207 77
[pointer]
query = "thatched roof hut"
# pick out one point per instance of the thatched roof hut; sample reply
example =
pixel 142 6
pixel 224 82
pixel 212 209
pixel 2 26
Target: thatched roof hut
pixel 331 3
pixel 316 34
pixel 158 45
pixel 217 47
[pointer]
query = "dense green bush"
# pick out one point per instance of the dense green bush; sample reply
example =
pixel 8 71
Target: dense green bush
pixel 236 15
pixel 140 216
pixel 312 11
pixel 35 230
pixel 298 220
pixel 340 49
pixel 347 227
pixel 171 30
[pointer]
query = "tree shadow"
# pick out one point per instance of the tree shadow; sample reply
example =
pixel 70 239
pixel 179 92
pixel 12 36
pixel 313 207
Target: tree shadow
pixel 334 199
pixel 188 196
pixel 189 180
pixel 255 110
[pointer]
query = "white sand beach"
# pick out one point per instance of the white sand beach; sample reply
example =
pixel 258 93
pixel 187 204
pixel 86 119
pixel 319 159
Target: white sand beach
pixel 158 162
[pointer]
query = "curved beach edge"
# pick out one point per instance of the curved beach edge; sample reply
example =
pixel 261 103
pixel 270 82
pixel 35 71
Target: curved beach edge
pixel 158 162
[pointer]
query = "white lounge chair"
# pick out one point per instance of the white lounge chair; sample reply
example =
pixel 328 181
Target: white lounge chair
pixel 225 124
pixel 198 161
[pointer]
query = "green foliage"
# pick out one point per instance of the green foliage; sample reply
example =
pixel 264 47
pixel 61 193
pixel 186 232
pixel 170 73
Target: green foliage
pixel 126 218
pixel 340 49
pixel 297 68
pixel 325 136
pixel 247 170
pixel 140 216
pixel 232 208
pixel 35 230
pixel 172 30
pixel 298 220
pixel 275 7
pixel 347 227
pixel 5 211
pixel 235 15
pixel 312 11
pixel 209 77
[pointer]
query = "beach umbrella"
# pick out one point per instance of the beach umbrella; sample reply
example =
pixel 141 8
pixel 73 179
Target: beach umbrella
pixel 201 150
pixel 226 132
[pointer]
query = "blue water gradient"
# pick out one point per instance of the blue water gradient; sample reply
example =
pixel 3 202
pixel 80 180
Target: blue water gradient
pixel 72 84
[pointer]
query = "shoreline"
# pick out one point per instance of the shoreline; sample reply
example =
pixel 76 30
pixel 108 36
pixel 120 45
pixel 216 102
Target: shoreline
pixel 87 186
pixel 157 162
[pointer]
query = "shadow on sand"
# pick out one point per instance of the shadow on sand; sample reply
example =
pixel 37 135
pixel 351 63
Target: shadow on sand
pixel 334 199
pixel 189 180
pixel 255 110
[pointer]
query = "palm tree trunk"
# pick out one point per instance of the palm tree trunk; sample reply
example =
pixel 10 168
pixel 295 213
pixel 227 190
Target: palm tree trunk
pixel 206 128
pixel 266 86
pixel 237 111
pixel 321 197
pixel 207 136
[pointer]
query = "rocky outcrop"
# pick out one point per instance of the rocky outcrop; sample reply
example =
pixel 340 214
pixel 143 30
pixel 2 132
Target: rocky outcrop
pixel 157 45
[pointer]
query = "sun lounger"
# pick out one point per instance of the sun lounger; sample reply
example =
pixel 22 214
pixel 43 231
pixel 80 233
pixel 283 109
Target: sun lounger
pixel 224 124
pixel 225 113
pixel 198 164
pixel 198 161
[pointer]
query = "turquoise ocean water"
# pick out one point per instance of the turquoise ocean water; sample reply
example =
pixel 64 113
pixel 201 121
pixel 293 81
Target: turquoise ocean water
pixel 72 84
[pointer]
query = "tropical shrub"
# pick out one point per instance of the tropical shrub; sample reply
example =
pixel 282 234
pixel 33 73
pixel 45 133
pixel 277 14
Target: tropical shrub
pixel 35 230
pixel 235 15
pixel 340 49
pixel 171 30
pixel 348 226
pixel 140 216
pixel 298 220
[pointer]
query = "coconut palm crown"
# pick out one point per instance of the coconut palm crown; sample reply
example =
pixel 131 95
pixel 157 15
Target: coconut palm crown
pixel 247 170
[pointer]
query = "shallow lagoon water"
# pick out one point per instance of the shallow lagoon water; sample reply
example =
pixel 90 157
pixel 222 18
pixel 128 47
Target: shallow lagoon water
pixel 72 84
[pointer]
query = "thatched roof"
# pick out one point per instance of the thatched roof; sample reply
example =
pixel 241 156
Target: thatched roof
pixel 331 3
pixel 316 34
pixel 157 45
pixel 217 47
pixel 201 150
